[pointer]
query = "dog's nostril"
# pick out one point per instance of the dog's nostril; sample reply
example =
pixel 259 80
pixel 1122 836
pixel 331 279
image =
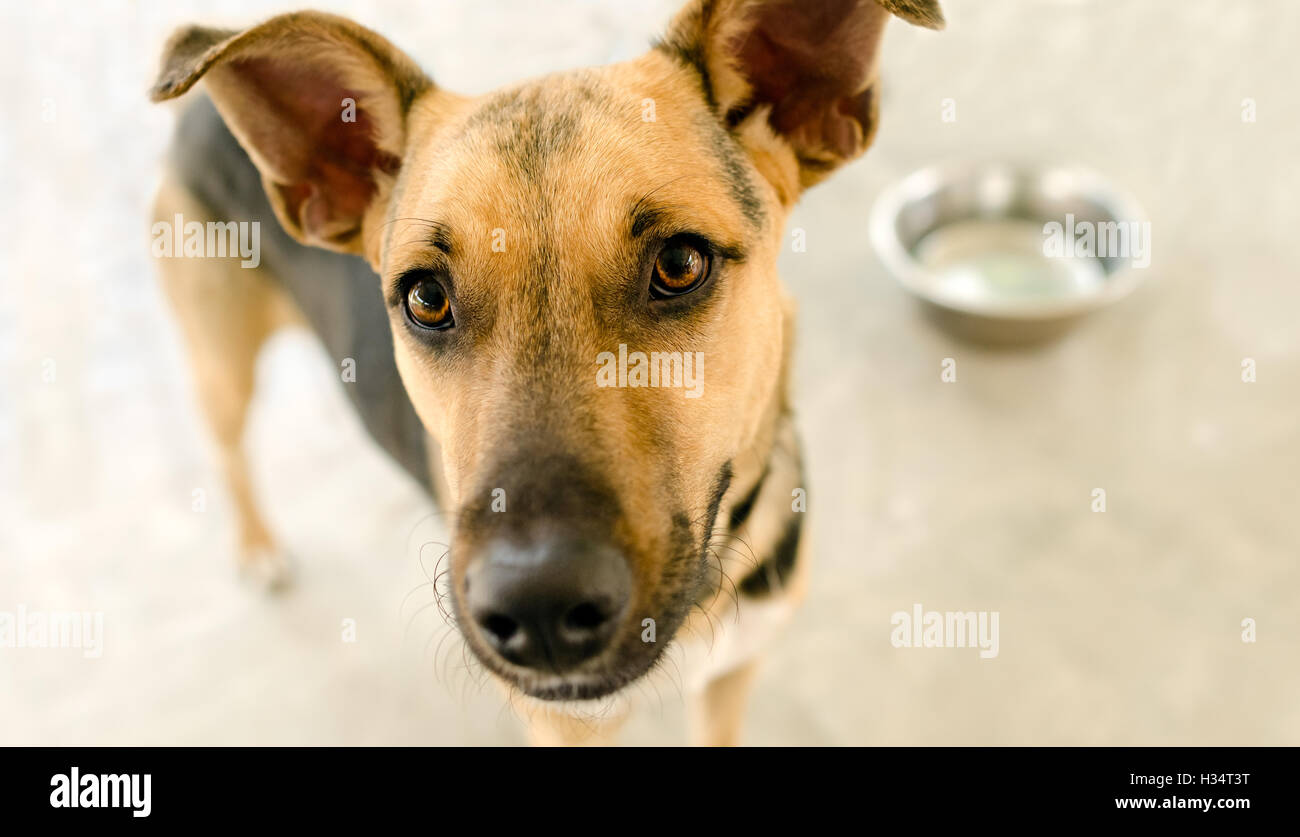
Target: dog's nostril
pixel 584 617
pixel 501 627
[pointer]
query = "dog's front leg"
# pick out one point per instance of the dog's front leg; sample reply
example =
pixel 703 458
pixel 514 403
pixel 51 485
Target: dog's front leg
pixel 716 712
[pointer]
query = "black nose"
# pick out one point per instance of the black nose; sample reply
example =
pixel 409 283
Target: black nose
pixel 548 605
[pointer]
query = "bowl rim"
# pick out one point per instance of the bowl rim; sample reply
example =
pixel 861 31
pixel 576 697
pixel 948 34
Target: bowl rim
pixel 921 282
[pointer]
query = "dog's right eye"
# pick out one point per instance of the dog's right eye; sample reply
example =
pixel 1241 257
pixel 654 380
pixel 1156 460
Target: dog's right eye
pixel 427 303
pixel 681 267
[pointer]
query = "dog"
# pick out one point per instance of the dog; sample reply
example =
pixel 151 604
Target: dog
pixel 502 269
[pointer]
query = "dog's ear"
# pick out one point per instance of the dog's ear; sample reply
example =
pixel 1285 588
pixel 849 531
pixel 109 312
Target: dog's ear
pixel 320 105
pixel 794 78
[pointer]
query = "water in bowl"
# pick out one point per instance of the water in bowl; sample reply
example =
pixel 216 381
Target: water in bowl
pixel 1001 260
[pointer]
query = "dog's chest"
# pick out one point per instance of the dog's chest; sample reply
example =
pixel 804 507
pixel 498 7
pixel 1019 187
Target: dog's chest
pixel 741 634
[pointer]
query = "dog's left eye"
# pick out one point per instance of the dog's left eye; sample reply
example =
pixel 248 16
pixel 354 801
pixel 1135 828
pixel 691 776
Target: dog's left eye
pixel 427 303
pixel 680 268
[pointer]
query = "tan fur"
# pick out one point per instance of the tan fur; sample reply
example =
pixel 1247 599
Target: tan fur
pixel 559 726
pixel 556 166
pixel 716 713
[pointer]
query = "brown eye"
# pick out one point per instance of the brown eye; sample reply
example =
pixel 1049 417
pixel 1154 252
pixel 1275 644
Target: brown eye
pixel 680 267
pixel 428 304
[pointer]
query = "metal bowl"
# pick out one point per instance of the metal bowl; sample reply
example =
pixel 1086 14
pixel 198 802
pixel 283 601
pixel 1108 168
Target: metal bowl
pixel 973 243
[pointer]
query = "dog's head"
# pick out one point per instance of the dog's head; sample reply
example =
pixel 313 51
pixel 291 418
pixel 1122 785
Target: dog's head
pixel 580 272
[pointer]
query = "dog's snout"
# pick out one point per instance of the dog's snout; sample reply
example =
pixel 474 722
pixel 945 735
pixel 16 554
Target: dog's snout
pixel 550 605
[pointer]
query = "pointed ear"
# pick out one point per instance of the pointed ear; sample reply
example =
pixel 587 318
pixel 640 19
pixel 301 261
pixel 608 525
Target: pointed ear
pixel 793 78
pixel 320 105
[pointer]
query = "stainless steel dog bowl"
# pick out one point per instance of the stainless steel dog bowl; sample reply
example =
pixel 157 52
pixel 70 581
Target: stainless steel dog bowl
pixel 971 242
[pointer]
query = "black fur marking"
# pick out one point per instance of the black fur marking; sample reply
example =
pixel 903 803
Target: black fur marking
pixel 741 511
pixel 773 572
pixel 440 237
pixel 690 52
pixel 530 126
pixel 691 55
pixel 647 216
pixel 720 488
pixel 738 175
pixel 643 218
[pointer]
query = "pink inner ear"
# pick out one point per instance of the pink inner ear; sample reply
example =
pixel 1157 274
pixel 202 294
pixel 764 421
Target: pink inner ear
pixel 324 167
pixel 810 61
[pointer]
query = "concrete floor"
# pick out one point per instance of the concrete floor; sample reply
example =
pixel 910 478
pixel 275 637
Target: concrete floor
pixel 1116 628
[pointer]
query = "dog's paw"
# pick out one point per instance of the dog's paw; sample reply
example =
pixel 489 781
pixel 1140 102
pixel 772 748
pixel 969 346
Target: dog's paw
pixel 266 568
